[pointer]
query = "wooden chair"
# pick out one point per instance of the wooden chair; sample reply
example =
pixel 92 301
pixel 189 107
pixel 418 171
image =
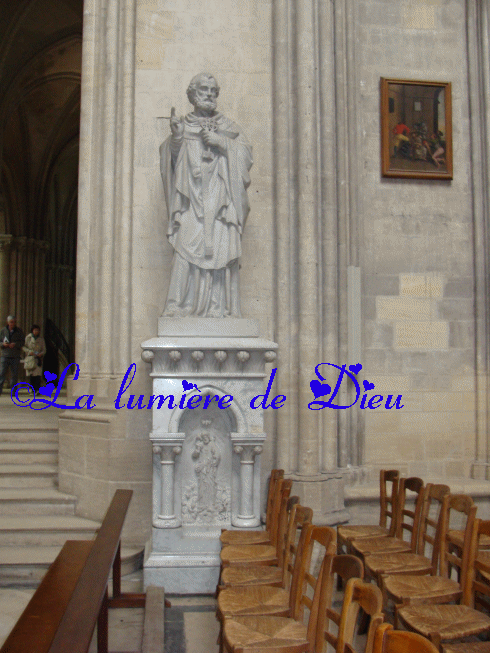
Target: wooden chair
pixel 256 554
pixel 266 600
pixel 244 634
pixel 387 640
pixel 358 595
pixel 267 536
pixel 387 509
pixel 258 574
pixel 445 623
pixel 406 520
pixel 439 587
pixel 418 562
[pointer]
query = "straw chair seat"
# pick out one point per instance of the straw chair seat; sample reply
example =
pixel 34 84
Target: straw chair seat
pixel 484 558
pixel 421 589
pixel 449 621
pixel 244 538
pixel 397 563
pixel 353 532
pixel 257 554
pixel 374 545
pixel 468 647
pixel 260 600
pixel 253 575
pixel 458 536
pixel 265 633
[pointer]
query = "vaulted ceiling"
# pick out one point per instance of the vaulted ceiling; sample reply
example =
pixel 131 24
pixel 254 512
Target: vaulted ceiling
pixel 40 68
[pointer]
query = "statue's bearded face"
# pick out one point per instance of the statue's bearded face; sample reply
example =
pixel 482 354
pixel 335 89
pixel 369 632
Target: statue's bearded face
pixel 205 95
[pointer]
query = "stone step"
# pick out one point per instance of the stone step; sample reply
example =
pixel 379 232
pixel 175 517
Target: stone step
pixel 23 476
pixel 44 530
pixel 28 434
pixel 26 566
pixel 27 453
pixel 35 501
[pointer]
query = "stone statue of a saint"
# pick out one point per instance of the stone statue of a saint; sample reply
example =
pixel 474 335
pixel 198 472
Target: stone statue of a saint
pixel 205 166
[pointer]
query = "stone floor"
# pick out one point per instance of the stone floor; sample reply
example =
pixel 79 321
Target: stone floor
pixel 190 624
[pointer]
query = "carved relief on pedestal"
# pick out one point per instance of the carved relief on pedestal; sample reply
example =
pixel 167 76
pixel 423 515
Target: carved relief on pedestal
pixel 206 487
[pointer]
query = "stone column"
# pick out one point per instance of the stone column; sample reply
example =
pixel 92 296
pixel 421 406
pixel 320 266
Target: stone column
pixel 167 455
pixel 40 282
pixel 316 233
pixel 105 189
pixel 247 455
pixel 105 318
pixel 18 278
pixel 478 38
pixel 5 241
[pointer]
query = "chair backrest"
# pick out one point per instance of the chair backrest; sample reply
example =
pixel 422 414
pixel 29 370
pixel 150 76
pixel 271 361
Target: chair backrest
pixel 478 569
pixel 407 519
pixel 387 640
pixel 306 583
pixel 283 489
pixel 299 519
pixel 452 555
pixel 430 522
pixel 344 567
pixel 287 506
pixel 388 499
pixel 276 474
pixel 367 596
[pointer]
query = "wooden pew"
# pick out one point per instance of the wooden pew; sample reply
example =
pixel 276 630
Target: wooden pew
pixel 73 597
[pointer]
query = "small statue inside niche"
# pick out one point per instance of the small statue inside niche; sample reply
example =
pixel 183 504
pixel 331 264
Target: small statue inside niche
pixel 208 457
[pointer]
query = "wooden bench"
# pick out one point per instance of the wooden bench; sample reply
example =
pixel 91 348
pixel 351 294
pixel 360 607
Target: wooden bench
pixel 73 597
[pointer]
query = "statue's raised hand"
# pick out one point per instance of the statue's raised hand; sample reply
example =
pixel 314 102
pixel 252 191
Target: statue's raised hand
pixel 176 124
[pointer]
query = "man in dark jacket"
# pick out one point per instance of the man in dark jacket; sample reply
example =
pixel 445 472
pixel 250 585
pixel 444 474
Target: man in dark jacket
pixel 11 342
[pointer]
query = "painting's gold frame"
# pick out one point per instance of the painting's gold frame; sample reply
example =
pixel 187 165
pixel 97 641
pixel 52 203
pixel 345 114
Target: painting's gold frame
pixel 386 164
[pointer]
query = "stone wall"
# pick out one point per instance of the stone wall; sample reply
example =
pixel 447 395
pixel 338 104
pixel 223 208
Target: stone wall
pixel 302 80
pixel 417 258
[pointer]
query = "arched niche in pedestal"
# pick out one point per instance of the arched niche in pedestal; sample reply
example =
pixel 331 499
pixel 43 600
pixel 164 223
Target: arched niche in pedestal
pixel 206 473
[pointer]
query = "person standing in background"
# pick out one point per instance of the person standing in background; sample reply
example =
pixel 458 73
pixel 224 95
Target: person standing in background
pixel 35 348
pixel 11 342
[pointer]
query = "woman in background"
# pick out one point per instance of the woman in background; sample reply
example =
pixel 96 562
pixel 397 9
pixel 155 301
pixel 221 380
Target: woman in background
pixel 35 348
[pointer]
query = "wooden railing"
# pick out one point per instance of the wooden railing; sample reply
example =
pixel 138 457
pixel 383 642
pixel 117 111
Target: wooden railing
pixel 73 597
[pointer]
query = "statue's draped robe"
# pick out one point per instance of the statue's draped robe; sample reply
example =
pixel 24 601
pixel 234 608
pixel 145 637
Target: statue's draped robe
pixel 202 183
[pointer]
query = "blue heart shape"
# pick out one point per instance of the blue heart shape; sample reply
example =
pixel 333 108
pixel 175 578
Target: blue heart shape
pixel 187 386
pixel 367 385
pixel 47 390
pixel 355 368
pixel 49 376
pixel 320 389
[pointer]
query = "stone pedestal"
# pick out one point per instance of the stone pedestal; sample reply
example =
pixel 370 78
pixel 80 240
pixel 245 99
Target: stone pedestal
pixel 207 440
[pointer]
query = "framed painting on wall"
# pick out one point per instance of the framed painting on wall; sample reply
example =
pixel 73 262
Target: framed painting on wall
pixel 416 129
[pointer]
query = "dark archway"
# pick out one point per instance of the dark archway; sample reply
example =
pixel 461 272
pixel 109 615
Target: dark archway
pixel 40 76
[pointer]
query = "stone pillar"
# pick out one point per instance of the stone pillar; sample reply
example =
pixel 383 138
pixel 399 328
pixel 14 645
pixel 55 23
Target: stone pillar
pixel 478 36
pixel 316 227
pixel 105 189
pixel 5 241
pixel 40 282
pixel 247 455
pixel 166 512
pixel 102 448
pixel 18 278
